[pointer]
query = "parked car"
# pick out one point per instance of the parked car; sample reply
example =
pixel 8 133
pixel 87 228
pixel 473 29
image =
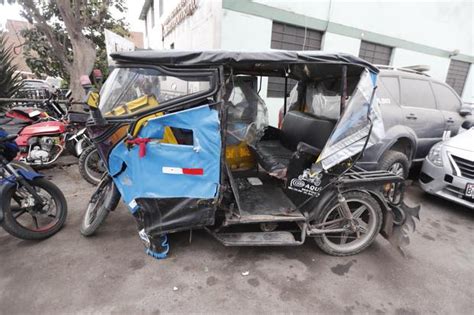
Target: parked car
pixel 448 170
pixel 417 112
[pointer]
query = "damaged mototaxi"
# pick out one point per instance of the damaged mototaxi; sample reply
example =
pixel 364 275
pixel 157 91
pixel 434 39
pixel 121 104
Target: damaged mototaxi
pixel 187 143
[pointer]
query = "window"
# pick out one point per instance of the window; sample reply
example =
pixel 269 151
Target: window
pixel 417 93
pixel 289 37
pixel 457 75
pixel 375 53
pixel 388 90
pixel 131 90
pixel 446 98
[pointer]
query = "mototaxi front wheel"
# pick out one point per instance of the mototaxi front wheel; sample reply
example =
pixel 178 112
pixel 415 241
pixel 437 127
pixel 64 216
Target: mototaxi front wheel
pixel 105 199
pixel 360 232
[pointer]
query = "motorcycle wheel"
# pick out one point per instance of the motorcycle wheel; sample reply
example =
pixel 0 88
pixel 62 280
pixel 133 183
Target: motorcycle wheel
pixel 105 199
pixel 91 166
pixel 368 219
pixel 26 222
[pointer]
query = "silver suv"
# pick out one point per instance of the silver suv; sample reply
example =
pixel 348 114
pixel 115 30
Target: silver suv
pixel 417 111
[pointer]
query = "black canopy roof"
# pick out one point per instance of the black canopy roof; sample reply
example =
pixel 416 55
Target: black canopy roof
pixel 236 58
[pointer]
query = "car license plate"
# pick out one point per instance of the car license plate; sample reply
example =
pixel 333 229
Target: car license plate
pixel 469 190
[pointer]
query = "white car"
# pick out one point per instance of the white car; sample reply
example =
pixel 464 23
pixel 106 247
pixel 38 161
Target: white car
pixel 448 170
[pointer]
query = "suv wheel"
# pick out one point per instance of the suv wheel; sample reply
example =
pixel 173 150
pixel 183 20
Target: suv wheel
pixel 395 162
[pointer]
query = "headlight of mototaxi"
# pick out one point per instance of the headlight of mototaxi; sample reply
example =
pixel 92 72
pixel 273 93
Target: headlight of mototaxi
pixel 435 155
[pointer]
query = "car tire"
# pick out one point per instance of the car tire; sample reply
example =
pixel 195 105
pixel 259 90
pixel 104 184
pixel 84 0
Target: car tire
pixel 395 161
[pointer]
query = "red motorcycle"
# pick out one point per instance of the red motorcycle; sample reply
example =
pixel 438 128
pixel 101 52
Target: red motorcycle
pixel 41 143
pixel 42 140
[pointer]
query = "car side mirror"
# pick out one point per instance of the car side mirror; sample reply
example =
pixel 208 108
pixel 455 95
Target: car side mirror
pixel 467 124
pixel 465 110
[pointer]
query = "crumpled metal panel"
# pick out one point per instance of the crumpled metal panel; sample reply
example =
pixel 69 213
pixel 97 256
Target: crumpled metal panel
pixel 352 129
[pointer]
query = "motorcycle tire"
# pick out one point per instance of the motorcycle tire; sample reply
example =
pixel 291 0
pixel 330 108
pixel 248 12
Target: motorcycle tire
pixel 85 168
pixel 71 148
pixel 372 213
pixel 105 199
pixel 13 227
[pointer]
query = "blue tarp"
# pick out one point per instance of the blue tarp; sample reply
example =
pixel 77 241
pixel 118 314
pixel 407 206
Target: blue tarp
pixel 157 174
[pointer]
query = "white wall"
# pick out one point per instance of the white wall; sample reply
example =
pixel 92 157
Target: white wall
pixel 199 31
pixel 245 32
pixel 439 66
pixel 339 43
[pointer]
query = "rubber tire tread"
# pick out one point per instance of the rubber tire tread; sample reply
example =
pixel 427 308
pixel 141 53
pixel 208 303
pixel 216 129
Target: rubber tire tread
pixel 12 227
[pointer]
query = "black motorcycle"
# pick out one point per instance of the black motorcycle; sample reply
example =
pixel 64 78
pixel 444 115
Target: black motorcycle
pixel 31 207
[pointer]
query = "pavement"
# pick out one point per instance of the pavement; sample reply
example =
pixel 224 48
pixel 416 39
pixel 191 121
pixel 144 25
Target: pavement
pixel 110 273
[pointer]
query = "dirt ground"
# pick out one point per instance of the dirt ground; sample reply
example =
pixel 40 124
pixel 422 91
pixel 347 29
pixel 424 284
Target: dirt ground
pixel 110 273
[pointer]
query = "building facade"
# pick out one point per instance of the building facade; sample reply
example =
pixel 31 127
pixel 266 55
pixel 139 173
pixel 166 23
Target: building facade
pixel 437 34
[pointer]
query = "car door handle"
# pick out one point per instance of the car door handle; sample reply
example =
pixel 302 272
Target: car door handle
pixel 450 120
pixel 411 116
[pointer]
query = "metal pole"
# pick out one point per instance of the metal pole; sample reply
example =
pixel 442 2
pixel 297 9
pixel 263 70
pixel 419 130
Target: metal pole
pixel 286 88
pixel 343 88
pixel 35 100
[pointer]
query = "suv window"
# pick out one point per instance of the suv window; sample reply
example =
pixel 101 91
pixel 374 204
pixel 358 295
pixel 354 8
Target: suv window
pixel 446 98
pixel 417 93
pixel 388 90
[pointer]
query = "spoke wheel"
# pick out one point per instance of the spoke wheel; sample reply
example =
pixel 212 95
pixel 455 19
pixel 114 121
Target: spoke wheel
pixel 103 201
pixel 91 165
pixel 360 230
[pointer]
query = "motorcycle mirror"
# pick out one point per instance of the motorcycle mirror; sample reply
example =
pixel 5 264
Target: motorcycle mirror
pixel 92 100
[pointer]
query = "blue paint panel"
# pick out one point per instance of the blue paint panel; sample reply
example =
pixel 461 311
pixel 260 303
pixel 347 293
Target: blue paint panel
pixel 144 177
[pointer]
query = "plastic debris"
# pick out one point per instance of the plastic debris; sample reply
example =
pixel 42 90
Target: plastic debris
pixel 245 273
pixel 175 288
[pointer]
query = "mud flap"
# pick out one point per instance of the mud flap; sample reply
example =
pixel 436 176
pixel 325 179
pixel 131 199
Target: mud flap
pixel 399 224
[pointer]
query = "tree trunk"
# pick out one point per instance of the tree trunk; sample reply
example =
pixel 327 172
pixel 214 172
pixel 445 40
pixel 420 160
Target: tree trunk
pixel 83 63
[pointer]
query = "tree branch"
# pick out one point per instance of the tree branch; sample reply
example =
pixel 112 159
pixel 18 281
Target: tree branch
pixel 34 15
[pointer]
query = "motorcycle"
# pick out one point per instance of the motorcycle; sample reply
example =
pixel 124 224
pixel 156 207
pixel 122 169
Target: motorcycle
pixel 186 142
pixel 42 141
pixel 31 207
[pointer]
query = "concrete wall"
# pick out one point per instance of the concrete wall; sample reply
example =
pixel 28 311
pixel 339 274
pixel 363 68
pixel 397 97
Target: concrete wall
pixel 198 31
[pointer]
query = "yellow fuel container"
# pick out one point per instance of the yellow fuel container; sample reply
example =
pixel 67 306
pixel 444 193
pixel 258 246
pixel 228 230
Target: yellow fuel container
pixel 239 157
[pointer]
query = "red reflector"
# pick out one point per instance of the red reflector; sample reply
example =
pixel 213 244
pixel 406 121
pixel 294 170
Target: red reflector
pixel 193 171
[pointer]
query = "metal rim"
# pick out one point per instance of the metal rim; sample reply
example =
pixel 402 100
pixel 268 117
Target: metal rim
pixel 94 166
pixel 95 205
pixel 39 219
pixel 397 169
pixel 364 218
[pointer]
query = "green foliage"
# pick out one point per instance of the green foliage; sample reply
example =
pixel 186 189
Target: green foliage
pixel 10 79
pixel 37 48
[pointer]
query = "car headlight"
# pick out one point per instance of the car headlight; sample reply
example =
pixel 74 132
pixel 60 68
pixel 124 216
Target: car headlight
pixel 435 155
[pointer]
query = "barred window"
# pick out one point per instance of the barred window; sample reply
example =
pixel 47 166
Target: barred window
pixel 375 53
pixel 457 75
pixel 290 37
